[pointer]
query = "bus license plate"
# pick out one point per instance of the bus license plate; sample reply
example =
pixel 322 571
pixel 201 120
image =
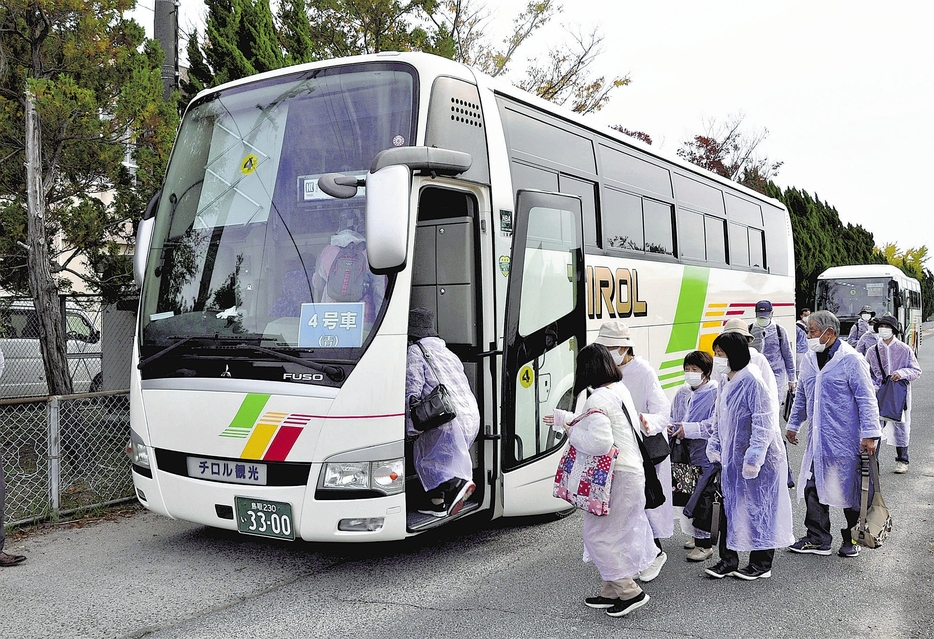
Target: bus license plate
pixel 264 518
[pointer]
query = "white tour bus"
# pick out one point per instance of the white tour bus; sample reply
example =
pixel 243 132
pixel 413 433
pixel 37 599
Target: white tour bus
pixel 268 401
pixel 844 290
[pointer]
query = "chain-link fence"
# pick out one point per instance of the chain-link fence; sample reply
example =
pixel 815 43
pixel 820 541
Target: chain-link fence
pixel 63 454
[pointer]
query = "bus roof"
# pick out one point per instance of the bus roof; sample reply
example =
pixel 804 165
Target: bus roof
pixel 430 63
pixel 852 271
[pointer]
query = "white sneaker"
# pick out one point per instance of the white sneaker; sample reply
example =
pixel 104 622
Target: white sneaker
pixel 652 571
pixel 901 468
pixel 700 554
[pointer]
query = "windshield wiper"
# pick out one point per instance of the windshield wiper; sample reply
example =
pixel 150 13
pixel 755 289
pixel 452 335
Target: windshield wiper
pixel 335 373
pixel 164 351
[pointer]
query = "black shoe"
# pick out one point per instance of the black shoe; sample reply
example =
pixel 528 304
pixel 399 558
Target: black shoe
pixel 463 489
pixel 433 509
pixel 751 573
pixel 720 570
pixel 602 602
pixel 625 607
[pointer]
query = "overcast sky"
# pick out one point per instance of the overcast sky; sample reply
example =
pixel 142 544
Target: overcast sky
pixel 844 89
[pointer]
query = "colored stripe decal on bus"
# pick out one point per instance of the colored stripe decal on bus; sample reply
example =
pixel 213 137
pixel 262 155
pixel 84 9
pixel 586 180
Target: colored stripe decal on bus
pixel 282 444
pixel 256 445
pixel 690 308
pixel 243 421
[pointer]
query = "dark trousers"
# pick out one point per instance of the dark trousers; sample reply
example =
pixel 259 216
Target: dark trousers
pixel 901 454
pixel 759 559
pixel 817 516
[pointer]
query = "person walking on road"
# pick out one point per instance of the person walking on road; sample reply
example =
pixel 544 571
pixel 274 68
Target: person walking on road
pixel 6 559
pixel 746 442
pixel 893 358
pixel 801 338
pixel 619 543
pixel 860 326
pixel 837 400
pixel 772 341
pixel 654 416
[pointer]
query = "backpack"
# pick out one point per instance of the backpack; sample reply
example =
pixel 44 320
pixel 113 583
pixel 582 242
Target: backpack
pixel 347 275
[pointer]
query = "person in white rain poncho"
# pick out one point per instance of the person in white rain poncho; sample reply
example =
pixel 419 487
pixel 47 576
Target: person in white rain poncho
pixel 772 341
pixel 620 542
pixel 691 413
pixel 869 339
pixel 654 417
pixel 860 326
pixel 836 399
pixel 441 455
pixel 746 441
pixel 890 357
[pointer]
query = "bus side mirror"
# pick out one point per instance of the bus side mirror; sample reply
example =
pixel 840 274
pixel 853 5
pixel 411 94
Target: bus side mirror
pixel 387 217
pixel 144 238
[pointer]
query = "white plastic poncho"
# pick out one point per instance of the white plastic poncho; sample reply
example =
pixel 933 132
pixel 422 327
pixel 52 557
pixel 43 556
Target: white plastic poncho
pixel 619 543
pixel 775 347
pixel 650 400
pixel 442 453
pixel 867 341
pixel 746 432
pixel 860 328
pixel 896 357
pixel 839 404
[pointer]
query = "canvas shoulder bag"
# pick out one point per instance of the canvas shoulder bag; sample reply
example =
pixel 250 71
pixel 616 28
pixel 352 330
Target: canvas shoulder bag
pixel 875 522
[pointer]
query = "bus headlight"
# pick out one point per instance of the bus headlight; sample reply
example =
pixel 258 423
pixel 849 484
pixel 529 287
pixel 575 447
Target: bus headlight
pixel 386 476
pixel 137 451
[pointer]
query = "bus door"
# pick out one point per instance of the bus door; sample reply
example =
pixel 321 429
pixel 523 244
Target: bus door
pixel 545 327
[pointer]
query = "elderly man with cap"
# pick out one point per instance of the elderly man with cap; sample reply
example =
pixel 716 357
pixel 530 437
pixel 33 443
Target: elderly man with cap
pixel 442 454
pixel 837 401
pixel 860 326
pixel 890 357
pixel 772 341
pixel 655 416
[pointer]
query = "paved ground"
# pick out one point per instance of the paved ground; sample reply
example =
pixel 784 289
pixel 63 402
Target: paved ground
pixel 141 575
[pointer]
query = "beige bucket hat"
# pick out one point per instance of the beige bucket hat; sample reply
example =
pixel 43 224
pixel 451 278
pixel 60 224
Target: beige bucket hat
pixel 736 325
pixel 614 334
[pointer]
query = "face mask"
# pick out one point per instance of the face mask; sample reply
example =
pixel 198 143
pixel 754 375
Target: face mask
pixel 763 321
pixel 886 333
pixel 617 358
pixel 866 316
pixel 815 345
pixel 721 365
pixel 693 378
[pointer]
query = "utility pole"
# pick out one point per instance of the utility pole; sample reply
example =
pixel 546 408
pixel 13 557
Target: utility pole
pixel 165 29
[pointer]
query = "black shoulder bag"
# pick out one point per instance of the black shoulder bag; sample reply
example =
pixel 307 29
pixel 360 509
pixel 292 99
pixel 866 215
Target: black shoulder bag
pixel 654 495
pixel 435 408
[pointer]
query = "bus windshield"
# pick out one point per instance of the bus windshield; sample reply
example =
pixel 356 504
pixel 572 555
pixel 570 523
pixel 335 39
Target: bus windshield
pixel 245 246
pixel 846 297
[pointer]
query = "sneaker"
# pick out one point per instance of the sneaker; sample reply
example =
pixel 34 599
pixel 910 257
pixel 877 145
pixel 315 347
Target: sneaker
pixel 848 550
pixel 901 468
pixel 433 509
pixel 652 571
pixel 623 608
pixel 7 559
pixel 689 544
pixel 462 490
pixel 751 573
pixel 806 547
pixel 602 602
pixel 700 554
pixel 720 570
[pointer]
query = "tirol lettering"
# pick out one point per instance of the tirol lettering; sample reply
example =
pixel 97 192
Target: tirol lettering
pixel 615 292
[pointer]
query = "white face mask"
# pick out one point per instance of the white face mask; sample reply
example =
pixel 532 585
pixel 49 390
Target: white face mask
pixel 721 366
pixel 885 332
pixel 762 322
pixel 865 316
pixel 617 358
pixel 693 378
pixel 815 345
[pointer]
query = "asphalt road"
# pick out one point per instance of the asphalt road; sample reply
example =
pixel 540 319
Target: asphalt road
pixel 137 574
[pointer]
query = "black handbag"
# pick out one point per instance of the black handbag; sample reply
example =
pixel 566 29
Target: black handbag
pixel 654 495
pixel 789 402
pixel 892 396
pixel 434 409
pixel 706 514
pixel 657 447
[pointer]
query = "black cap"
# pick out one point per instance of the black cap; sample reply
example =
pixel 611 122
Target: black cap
pixel 888 320
pixel 764 307
pixel 421 323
